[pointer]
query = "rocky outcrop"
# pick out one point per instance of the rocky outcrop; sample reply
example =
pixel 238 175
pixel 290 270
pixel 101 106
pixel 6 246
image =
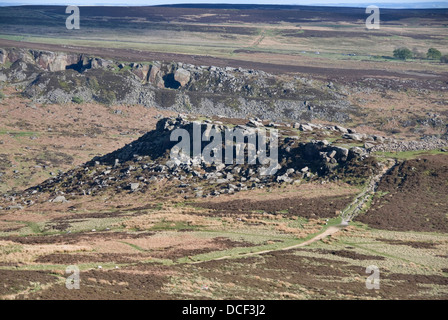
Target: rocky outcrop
pixel 98 63
pixel 155 76
pixel 54 61
pixel 233 92
pixel 146 161
pixel 20 72
pixel 13 55
pixel 141 71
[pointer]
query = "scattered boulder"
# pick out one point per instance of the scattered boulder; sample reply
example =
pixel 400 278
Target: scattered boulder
pixel 255 123
pixel 305 127
pixel 98 63
pixel 353 136
pixel 357 152
pixel 182 76
pixel 284 178
pixel 134 186
pixel 341 129
pixel 15 207
pixel 59 199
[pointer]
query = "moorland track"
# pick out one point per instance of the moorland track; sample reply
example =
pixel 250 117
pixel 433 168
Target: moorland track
pixel 350 212
pixel 354 208
pixel 325 233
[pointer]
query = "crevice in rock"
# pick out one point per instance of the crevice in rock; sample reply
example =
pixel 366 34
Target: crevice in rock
pixel 78 66
pixel 170 82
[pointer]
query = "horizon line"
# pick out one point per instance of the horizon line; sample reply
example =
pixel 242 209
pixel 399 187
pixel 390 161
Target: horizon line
pixel 398 6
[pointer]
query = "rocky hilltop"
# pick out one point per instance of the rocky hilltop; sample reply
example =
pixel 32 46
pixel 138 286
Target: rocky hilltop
pixel 304 154
pixel 146 163
pixel 57 77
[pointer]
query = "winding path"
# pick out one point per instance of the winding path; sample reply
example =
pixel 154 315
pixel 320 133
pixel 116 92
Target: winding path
pixel 327 232
pixel 347 215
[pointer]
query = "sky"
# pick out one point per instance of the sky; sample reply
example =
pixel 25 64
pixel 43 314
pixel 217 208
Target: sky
pixel 399 3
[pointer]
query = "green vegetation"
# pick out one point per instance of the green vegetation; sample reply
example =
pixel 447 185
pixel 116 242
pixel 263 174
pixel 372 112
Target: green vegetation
pixel 109 97
pixel 406 155
pixel 2 95
pixel 380 194
pixel 11 248
pixel 77 100
pixel 34 227
pixel 167 225
pixel 64 86
pixel 125 68
pixel 403 53
pixel 6 65
pixel 10 37
pixel 93 83
pixel 18 133
pixel 133 246
pixel 434 54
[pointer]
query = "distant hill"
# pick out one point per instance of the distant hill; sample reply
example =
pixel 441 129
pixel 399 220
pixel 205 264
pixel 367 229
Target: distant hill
pixel 416 5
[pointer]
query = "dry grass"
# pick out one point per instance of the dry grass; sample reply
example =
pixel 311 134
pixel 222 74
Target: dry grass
pixel 171 215
pixel 12 253
pixel 386 111
pixel 305 191
pixel 47 138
